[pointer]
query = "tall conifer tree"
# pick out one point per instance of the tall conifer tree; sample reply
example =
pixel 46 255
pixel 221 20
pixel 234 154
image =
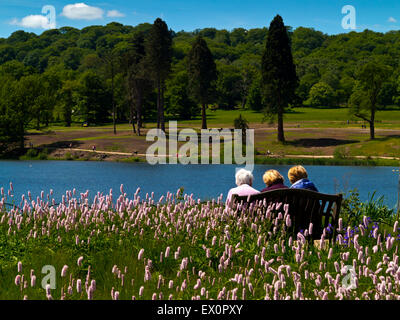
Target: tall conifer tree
pixel 279 77
pixel 202 73
pixel 158 60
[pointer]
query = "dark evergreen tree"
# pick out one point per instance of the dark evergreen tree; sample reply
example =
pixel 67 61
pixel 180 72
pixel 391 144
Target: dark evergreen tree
pixel 278 73
pixel 202 73
pixel 158 62
pixel 138 85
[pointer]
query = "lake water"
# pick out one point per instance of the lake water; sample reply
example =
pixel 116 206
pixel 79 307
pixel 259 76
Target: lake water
pixel 204 181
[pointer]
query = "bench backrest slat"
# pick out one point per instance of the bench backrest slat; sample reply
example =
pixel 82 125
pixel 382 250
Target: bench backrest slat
pixel 305 206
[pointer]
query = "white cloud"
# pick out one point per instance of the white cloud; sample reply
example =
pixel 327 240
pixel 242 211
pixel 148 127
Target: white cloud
pixel 33 22
pixel 81 11
pixel 391 19
pixel 115 14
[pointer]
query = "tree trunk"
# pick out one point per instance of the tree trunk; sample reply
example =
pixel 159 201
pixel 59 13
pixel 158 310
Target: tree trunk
pixel 131 110
pixel 281 135
pixel 158 103
pixel 22 136
pixel 203 116
pixel 372 124
pixel 112 97
pixel 244 102
pixel 162 120
pixel 139 113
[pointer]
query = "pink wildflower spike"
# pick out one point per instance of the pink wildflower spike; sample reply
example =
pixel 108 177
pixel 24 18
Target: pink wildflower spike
pixel 79 261
pixel 79 285
pixel 141 291
pixel 288 221
pixel 365 221
pixel 330 254
pixel 48 290
pixel 19 267
pixel 64 271
pixel 18 280
pixel 140 255
pixel 33 281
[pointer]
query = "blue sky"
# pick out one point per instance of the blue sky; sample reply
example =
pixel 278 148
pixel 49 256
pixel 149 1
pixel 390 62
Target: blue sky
pixel 324 15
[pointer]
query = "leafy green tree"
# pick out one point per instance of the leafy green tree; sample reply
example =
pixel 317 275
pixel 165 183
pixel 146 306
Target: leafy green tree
pixel 179 103
pixel 321 94
pixel 68 100
pixel 16 101
pixel 16 69
pixel 7 53
pixel 254 97
pixel 158 49
pixel 388 93
pixel 93 99
pixel 11 135
pixel 238 36
pixel 42 107
pixel 305 85
pixel 305 40
pixel 229 86
pixel 72 58
pixel 278 73
pixel 110 57
pixel 202 73
pixel 364 100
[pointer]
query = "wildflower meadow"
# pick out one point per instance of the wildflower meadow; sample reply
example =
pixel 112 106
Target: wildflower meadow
pixel 180 248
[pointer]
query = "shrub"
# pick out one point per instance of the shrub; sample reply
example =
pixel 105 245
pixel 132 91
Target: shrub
pixel 31 153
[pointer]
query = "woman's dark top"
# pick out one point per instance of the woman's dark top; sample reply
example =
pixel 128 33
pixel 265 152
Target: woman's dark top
pixel 275 187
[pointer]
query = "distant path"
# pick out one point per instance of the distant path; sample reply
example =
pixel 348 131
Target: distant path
pixel 331 157
pixel 284 156
pixel 113 153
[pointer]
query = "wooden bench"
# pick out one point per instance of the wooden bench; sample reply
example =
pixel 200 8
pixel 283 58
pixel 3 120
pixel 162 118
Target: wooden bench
pixel 305 206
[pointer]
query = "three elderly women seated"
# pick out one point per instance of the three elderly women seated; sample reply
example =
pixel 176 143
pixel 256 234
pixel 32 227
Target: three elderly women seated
pixel 273 180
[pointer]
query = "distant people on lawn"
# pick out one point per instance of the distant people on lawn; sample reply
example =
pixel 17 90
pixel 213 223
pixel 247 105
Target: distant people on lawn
pixel 244 181
pixel 273 180
pixel 298 177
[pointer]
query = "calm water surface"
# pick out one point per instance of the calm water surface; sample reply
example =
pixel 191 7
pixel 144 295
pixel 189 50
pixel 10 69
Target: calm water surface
pixel 204 181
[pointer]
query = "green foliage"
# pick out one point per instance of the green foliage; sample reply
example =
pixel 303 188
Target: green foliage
pixel 94 98
pixel 241 123
pixel 321 94
pixel 363 102
pixel 254 98
pixel 179 104
pixel 229 86
pixel 353 209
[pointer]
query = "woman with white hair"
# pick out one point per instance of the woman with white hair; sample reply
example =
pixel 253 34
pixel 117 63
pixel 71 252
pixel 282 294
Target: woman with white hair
pixel 244 182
